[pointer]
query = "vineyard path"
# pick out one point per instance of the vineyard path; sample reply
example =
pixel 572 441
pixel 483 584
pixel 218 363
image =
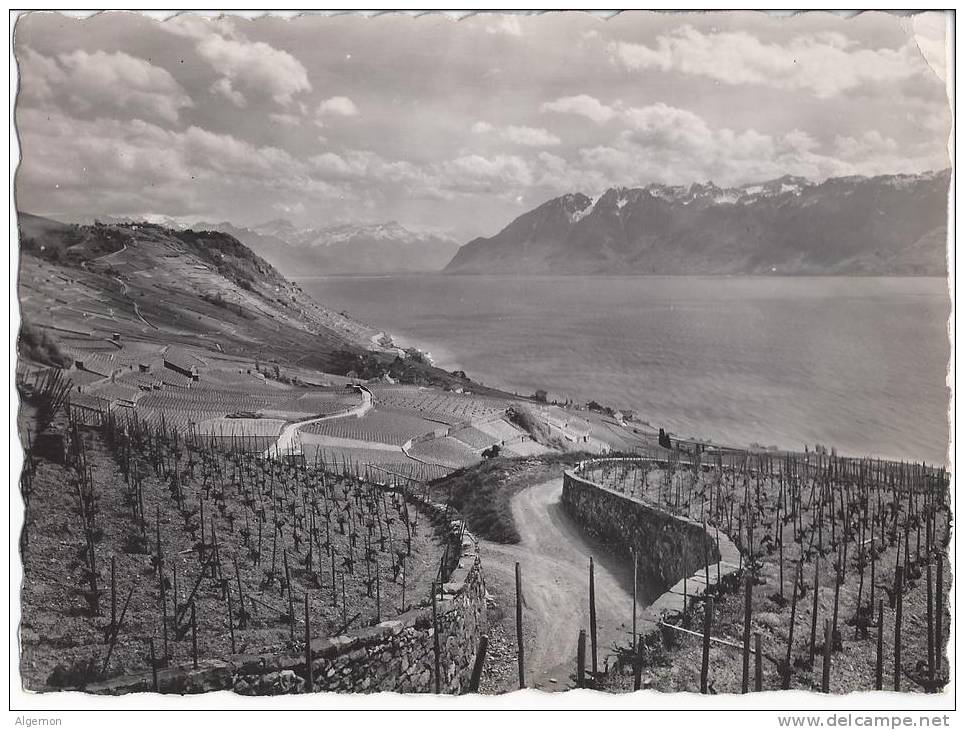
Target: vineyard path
pixel 554 556
pixel 287 440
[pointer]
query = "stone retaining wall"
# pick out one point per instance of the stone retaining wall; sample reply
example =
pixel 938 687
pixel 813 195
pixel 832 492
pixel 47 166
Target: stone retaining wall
pixel 394 656
pixel 677 553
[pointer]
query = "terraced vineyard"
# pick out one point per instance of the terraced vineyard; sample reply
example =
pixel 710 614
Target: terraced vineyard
pixel 379 426
pixel 306 405
pixel 446 407
pixel 474 438
pixel 504 432
pixel 163 549
pixel 446 451
pixel 200 407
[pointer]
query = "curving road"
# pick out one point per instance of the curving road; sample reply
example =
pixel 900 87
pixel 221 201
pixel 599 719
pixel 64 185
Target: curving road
pixel 554 559
pixel 287 442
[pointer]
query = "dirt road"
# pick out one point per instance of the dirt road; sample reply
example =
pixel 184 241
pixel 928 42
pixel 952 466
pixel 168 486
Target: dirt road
pixel 554 557
pixel 288 442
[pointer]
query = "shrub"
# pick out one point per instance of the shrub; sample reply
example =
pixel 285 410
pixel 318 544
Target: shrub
pixel 527 420
pixel 35 344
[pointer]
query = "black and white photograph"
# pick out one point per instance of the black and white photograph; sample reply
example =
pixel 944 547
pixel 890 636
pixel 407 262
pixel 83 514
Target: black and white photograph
pixel 523 357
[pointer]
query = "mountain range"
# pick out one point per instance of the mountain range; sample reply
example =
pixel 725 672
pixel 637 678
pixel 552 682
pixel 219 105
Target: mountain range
pixel 340 248
pixel 885 225
pixel 343 248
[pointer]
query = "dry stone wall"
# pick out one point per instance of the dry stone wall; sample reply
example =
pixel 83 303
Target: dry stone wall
pixel 678 554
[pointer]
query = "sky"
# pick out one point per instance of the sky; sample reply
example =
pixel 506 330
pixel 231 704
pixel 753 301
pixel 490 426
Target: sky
pixel 458 125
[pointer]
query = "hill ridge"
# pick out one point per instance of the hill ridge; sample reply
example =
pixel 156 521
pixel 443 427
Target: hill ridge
pixel 882 225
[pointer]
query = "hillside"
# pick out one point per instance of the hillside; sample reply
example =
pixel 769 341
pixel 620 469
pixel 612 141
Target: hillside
pixel 887 225
pixel 83 286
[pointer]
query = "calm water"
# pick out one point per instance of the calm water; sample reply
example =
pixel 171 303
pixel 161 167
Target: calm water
pixel 857 363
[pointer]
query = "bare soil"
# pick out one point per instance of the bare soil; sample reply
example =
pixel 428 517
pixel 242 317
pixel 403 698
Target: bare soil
pixel 64 643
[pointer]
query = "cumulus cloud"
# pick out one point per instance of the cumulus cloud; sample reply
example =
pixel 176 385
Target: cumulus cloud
pixel 662 143
pixel 582 105
pixel 102 83
pixel 824 64
pixel 481 173
pixel 223 87
pixel 115 166
pixel 530 136
pixel 367 165
pixel 520 135
pixel 467 174
pixel 257 67
pixel 340 106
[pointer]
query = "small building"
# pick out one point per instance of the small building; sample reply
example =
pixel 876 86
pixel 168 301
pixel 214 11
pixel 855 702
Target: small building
pixel 181 362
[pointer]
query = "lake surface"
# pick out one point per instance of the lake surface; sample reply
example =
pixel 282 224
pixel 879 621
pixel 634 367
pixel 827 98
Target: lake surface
pixel 855 363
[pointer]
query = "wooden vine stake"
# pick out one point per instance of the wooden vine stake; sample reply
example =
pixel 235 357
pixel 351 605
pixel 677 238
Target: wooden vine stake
pixel 520 651
pixel 880 655
pixel 194 637
pixel 309 670
pixel 745 675
pixel 899 589
pixel 581 660
pixel 705 654
pixel 638 664
pixel 477 666
pixel 435 640
pixel 593 654
pixel 758 659
pixel 826 666
pixel 154 684
pixel 940 647
pixel 635 561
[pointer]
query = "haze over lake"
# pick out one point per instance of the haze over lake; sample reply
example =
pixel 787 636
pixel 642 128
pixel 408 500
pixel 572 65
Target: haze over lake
pixel 855 363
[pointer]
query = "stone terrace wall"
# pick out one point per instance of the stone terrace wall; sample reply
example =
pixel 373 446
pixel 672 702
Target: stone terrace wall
pixel 671 549
pixel 394 656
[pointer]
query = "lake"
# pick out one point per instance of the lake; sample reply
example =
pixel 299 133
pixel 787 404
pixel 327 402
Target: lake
pixel 855 363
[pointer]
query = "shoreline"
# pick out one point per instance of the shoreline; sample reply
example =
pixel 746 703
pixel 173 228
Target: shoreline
pixel 679 416
pixel 720 440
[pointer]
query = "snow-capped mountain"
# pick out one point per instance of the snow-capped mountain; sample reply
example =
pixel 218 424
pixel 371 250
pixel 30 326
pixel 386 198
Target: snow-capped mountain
pixel 891 224
pixel 345 248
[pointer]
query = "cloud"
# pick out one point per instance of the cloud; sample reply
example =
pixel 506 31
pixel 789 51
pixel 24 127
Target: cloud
pixel 223 87
pixel 530 136
pixel 527 136
pixel 667 144
pixel 285 120
pixel 824 64
pixel 582 105
pixel 465 175
pixel 114 167
pixel 365 165
pixel 197 27
pixel 339 106
pixel 102 83
pixel 256 66
pixel 505 24
pixel 478 173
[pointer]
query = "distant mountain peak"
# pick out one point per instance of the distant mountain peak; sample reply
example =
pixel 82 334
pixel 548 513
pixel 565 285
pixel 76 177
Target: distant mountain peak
pixel 890 224
pixel 344 248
